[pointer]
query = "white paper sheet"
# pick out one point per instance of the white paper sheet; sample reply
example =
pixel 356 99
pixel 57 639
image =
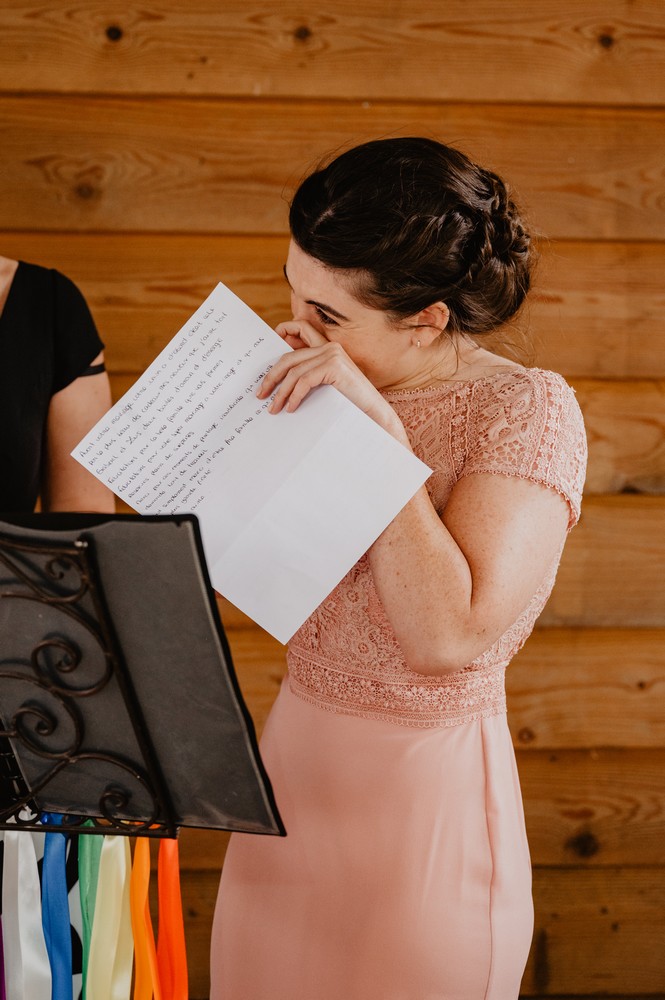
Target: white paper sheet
pixel 287 502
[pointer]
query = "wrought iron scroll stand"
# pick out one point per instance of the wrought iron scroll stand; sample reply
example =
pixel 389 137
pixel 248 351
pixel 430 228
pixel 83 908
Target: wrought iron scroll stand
pixel 39 571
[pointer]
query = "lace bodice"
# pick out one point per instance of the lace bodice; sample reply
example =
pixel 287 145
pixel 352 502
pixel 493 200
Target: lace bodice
pixel 521 422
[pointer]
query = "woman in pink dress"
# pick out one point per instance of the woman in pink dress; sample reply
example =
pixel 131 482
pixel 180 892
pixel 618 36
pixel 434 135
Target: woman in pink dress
pixel 405 872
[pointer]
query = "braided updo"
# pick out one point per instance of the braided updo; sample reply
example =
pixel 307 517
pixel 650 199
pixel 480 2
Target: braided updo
pixel 418 223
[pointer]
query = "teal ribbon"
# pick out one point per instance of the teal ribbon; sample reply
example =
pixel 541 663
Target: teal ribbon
pixel 55 911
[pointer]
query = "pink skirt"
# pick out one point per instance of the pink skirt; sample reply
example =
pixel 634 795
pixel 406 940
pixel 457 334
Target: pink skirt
pixel 404 875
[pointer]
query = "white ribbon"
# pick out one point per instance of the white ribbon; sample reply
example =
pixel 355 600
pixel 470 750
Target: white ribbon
pixel 27 969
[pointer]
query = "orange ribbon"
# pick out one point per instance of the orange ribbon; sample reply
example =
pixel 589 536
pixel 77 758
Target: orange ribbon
pixel 171 953
pixel 146 973
pixel 158 972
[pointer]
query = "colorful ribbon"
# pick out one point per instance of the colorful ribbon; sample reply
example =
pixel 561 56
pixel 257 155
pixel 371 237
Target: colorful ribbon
pixel 90 848
pixel 146 980
pixel 35 936
pixel 109 968
pixel 27 969
pixel 171 951
pixel 55 911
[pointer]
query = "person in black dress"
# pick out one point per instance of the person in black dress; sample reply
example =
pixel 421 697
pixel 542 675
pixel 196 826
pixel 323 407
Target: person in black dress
pixel 53 389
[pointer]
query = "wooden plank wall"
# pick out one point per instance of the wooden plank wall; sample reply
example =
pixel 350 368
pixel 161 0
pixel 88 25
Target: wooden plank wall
pixel 148 151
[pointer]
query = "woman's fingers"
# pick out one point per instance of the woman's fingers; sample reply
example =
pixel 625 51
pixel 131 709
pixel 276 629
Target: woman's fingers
pixel 316 361
pixel 301 333
pixel 291 371
pixel 295 374
pixel 275 375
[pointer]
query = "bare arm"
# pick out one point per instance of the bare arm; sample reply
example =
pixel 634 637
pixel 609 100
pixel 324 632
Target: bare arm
pixel 450 585
pixel 72 412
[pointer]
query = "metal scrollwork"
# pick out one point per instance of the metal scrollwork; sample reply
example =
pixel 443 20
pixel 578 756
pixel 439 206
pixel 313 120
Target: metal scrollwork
pixel 59 562
pixel 69 661
pixel 49 722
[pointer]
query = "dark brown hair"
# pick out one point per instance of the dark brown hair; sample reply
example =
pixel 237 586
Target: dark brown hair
pixel 419 223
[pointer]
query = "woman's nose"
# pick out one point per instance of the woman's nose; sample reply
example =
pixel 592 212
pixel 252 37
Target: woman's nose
pixel 303 312
pixel 300 309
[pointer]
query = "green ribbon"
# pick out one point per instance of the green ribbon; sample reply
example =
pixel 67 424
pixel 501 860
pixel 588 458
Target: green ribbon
pixel 90 848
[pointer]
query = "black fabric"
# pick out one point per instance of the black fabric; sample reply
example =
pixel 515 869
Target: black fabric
pixel 94 369
pixel 47 340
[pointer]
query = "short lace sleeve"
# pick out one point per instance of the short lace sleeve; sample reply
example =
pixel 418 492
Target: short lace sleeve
pixel 527 423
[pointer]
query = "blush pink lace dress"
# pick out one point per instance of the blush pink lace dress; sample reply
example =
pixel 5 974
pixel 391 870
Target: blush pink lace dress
pixel 405 874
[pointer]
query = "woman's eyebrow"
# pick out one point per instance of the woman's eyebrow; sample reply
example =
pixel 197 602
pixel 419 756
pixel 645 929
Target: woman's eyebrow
pixel 319 305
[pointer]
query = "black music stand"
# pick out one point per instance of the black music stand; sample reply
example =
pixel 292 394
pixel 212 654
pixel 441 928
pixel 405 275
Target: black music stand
pixel 118 699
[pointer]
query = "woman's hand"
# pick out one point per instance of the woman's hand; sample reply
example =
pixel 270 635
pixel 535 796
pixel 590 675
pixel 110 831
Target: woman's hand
pixel 317 361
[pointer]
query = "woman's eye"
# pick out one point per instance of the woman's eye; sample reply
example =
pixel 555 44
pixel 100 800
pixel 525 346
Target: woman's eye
pixel 324 317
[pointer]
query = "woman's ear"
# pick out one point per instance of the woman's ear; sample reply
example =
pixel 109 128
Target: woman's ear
pixel 429 324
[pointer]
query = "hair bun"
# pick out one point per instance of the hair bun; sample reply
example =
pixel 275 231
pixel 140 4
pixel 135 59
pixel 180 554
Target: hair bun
pixel 504 232
pixel 497 258
pixel 419 222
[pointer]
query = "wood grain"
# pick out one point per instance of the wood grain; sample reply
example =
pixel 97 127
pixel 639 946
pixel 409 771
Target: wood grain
pixel 597 931
pixel 597 309
pixel 594 807
pixel 585 687
pixel 625 424
pixel 611 573
pixel 90 163
pixel 609 52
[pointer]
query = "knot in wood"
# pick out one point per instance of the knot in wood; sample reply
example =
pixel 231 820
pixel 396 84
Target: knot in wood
pixel 585 845
pixel 606 40
pixel 302 33
pixel 114 33
pixel 85 191
pixel 526 735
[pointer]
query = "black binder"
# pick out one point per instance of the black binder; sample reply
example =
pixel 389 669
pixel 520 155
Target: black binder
pixel 118 698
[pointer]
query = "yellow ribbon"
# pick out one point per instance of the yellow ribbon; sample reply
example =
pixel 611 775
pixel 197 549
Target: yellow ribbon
pixel 109 974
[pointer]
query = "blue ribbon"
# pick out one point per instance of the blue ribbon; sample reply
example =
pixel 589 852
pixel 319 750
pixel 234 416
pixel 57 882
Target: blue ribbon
pixel 55 911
